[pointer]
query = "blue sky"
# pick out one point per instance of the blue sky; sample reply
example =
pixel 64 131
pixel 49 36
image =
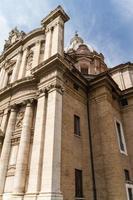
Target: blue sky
pixel 107 25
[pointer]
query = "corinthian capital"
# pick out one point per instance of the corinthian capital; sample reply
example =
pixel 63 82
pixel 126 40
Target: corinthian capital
pixel 56 87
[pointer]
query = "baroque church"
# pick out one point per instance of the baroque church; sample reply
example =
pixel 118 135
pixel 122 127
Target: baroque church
pixel 66 119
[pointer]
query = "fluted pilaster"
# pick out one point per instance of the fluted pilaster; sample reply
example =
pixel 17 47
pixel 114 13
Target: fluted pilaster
pixel 51 171
pixel 38 145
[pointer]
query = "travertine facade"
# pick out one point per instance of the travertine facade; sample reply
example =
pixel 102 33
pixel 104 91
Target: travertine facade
pixel 65 119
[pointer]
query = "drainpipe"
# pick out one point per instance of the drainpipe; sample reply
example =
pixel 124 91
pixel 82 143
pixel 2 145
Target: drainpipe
pixel 91 152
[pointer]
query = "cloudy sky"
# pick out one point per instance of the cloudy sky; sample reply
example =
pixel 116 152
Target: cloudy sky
pixel 107 25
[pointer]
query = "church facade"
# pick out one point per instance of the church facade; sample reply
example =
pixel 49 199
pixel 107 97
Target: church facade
pixel 66 130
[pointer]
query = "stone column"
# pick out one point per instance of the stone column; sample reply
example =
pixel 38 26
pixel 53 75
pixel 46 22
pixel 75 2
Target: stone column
pixel 50 186
pixel 23 64
pixel 36 54
pixel 4 159
pixel 17 67
pixel 37 149
pixel 23 153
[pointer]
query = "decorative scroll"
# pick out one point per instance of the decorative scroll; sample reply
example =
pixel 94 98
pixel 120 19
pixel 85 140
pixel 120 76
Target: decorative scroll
pixel 14 36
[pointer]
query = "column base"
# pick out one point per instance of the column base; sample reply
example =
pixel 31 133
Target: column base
pixel 50 196
pixel 5 196
pixel 30 196
pixel 17 196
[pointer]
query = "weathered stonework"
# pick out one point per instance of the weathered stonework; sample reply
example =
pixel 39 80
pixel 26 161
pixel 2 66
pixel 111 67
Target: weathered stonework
pixel 42 88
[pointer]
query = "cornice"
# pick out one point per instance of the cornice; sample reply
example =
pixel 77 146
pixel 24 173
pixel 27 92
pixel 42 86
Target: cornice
pixel 121 67
pixel 104 79
pixel 60 63
pixel 55 13
pixel 16 85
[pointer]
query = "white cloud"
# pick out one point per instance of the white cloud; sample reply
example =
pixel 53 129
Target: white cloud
pixel 4 27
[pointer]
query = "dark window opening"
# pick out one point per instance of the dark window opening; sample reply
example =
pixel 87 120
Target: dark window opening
pixel 124 102
pixel 127 175
pixel 120 136
pixel 78 183
pixel 76 125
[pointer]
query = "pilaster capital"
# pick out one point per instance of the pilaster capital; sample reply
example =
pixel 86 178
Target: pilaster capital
pixel 25 49
pixel 28 102
pixel 47 30
pixel 42 92
pixel 13 107
pixel 55 86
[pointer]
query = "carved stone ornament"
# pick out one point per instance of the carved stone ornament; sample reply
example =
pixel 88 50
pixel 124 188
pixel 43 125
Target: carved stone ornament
pixel 29 60
pixel 14 36
pixel 19 120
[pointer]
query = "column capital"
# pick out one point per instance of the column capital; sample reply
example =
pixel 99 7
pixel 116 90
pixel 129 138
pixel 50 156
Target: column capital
pixel 55 86
pixel 28 102
pixel 13 107
pixel 42 92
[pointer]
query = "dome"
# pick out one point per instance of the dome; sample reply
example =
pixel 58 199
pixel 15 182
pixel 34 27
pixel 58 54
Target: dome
pixel 77 42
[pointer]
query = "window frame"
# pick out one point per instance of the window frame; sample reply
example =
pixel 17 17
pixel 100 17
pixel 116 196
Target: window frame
pixel 127 187
pixel 77 131
pixel 122 137
pixel 81 185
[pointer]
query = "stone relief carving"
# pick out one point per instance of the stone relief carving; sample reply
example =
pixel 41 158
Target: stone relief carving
pixel 29 60
pixel 19 120
pixel 14 35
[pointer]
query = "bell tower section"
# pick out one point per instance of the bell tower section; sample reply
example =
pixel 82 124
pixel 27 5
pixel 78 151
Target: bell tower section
pixel 54 32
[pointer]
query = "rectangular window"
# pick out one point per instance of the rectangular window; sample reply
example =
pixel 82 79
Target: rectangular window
pixel 78 183
pixel 76 125
pixel 121 139
pixel 127 175
pixel 84 70
pixel 129 188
